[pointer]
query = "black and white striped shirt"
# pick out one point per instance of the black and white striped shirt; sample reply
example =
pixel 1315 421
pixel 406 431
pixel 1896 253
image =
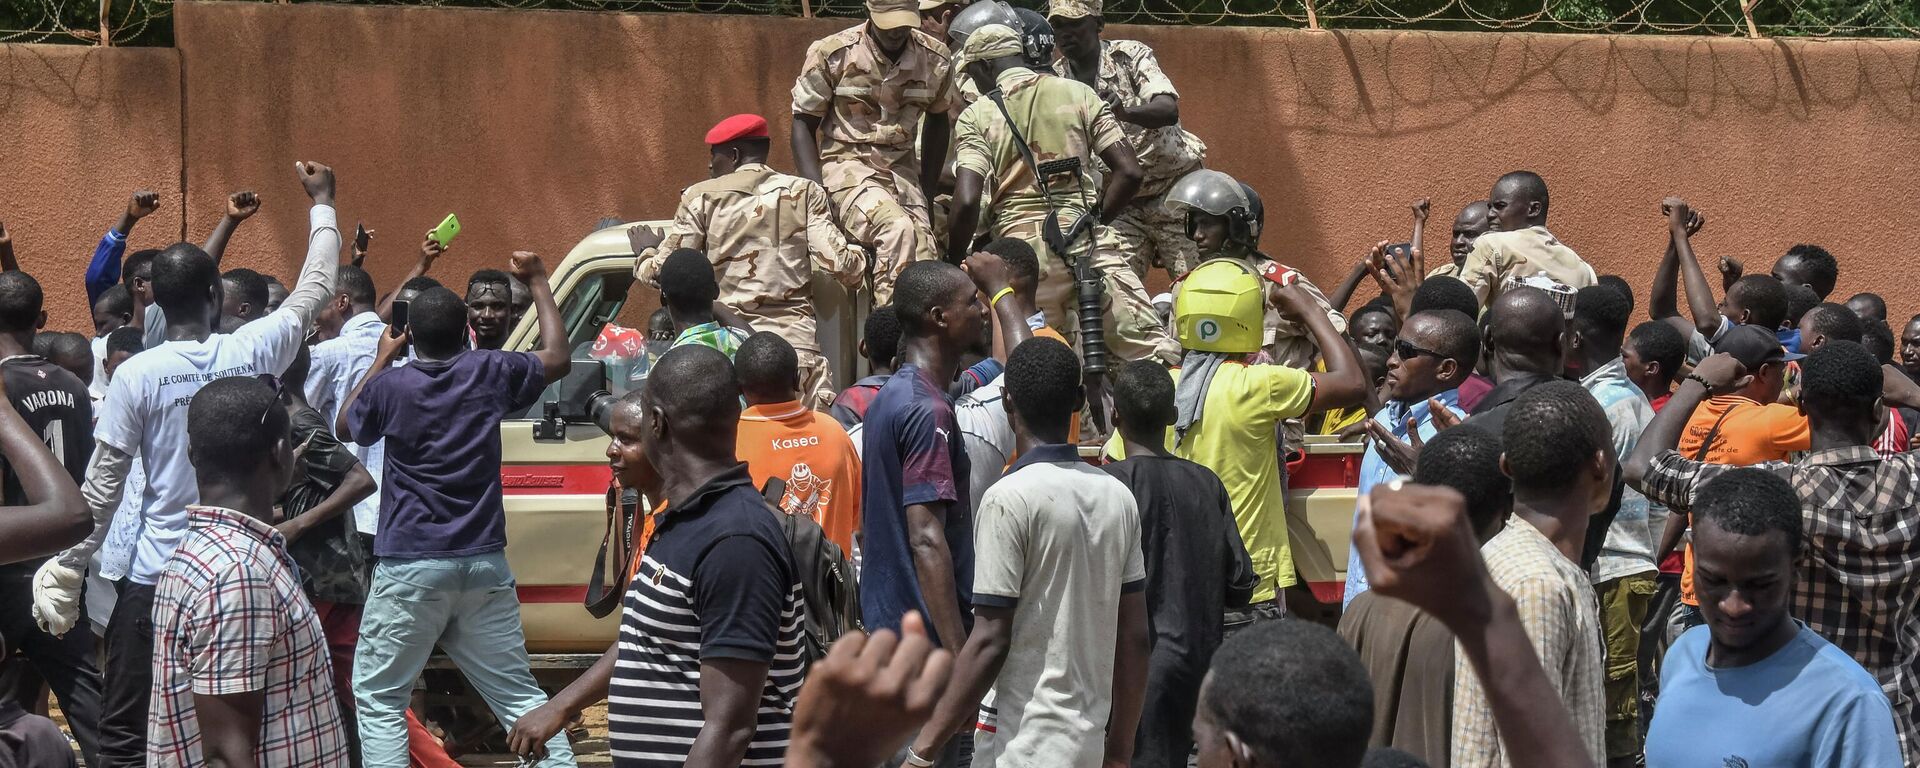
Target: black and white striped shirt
pixel 717 582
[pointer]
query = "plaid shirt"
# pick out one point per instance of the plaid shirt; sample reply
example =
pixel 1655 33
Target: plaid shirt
pixel 229 617
pixel 1861 564
pixel 1557 606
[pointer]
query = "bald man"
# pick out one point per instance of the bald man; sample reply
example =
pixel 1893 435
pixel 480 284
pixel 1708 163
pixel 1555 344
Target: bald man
pixel 1523 344
pixel 1468 226
pixel 1519 245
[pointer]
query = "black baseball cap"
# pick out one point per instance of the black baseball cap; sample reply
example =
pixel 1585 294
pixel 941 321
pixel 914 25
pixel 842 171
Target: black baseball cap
pixel 1754 346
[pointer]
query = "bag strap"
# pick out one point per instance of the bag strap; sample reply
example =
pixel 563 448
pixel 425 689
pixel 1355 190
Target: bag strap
pixel 1701 455
pixel 1020 142
pixel 600 601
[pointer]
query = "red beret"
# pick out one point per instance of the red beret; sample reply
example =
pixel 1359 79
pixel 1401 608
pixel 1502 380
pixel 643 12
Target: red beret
pixel 736 128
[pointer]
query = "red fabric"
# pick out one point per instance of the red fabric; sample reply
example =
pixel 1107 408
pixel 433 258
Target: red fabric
pixel 736 128
pixel 341 623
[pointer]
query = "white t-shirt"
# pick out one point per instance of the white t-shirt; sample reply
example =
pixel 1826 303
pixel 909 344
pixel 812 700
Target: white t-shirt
pixel 982 417
pixel 1059 541
pixel 145 414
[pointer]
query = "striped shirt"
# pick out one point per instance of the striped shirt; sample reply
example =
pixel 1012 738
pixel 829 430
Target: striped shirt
pixel 717 582
pixel 229 618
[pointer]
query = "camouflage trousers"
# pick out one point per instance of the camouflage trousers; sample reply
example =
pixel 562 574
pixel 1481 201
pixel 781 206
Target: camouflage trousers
pixel 1133 329
pixel 816 374
pixel 891 219
pixel 1152 236
pixel 816 380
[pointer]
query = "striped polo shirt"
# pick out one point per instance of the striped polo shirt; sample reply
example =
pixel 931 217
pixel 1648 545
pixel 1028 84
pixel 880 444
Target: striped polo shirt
pixel 717 582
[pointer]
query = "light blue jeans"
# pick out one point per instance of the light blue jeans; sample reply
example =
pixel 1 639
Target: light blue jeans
pixel 468 607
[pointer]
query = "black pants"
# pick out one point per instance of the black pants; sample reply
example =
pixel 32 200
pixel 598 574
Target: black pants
pixel 123 725
pixel 1165 737
pixel 66 663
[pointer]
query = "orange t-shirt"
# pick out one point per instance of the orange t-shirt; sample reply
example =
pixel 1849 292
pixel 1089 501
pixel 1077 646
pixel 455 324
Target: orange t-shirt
pixel 1752 434
pixel 812 453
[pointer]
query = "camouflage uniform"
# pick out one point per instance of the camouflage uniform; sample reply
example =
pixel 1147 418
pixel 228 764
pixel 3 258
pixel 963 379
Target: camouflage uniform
pixel 1501 256
pixel 766 233
pixel 1149 233
pixel 1059 118
pixel 870 108
pixel 1448 269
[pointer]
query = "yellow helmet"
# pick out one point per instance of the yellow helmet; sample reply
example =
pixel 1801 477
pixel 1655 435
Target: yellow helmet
pixel 1220 308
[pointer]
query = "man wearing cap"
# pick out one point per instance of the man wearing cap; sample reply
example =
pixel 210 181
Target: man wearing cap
pixel 766 233
pixel 1128 78
pixel 857 104
pixel 1059 119
pixel 1739 428
pixel 935 15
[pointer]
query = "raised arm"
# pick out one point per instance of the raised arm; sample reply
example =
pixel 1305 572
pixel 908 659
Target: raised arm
pixel 1418 547
pixel 392 343
pixel 1343 293
pixel 1344 382
pixel 1421 208
pixel 553 353
pixel 1010 312
pixel 1700 302
pixel 240 206
pixel 7 261
pixel 317 273
pixel 1663 433
pixel 104 270
pixel 430 249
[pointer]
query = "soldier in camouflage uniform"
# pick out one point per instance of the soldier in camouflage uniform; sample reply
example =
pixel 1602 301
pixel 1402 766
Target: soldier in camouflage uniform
pixel 1059 118
pixel 863 93
pixel 1128 77
pixel 766 234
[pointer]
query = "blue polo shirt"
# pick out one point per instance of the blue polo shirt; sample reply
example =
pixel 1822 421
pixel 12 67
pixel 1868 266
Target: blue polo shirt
pixel 912 453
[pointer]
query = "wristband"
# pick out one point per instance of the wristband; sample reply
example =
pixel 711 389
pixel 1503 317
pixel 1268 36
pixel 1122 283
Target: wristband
pixel 914 758
pixel 997 296
pixel 1703 382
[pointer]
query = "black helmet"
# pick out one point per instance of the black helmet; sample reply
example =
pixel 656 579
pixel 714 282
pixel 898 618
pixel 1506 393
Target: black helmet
pixel 1036 38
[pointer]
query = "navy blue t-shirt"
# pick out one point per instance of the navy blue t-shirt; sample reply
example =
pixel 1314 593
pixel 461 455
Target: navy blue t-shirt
pixel 440 494
pixel 912 454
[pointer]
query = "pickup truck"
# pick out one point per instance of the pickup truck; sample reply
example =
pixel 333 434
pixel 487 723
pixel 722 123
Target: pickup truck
pixel 555 476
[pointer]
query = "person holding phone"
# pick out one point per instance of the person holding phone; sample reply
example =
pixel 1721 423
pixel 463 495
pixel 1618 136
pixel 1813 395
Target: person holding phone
pixel 442 528
pixel 145 416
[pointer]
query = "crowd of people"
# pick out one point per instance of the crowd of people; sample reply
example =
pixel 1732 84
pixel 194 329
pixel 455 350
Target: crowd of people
pixel 1049 524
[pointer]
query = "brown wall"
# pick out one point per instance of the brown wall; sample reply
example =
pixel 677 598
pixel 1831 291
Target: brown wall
pixel 532 125
pixel 80 129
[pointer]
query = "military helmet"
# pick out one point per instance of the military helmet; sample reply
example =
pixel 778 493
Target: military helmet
pixel 976 16
pixel 1220 308
pixel 1036 38
pixel 1212 192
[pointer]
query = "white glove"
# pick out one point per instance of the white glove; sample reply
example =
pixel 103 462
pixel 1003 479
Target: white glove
pixel 56 597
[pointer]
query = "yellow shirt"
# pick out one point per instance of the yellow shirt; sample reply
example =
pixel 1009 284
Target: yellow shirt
pixel 1237 438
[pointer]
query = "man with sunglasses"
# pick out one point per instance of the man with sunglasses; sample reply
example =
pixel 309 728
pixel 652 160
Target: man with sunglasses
pixel 1434 354
pixel 145 415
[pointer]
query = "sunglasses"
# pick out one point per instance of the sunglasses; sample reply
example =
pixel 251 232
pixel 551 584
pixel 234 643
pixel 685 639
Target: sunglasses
pixel 279 393
pixel 1407 351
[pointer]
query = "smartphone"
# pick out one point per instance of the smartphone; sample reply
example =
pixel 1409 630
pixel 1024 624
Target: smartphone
pixel 399 321
pixel 444 234
pixel 360 236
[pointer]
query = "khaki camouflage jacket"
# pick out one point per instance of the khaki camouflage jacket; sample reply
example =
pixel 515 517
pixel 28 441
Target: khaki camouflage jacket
pixel 1059 118
pixel 766 234
pixel 870 106
pixel 1131 76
